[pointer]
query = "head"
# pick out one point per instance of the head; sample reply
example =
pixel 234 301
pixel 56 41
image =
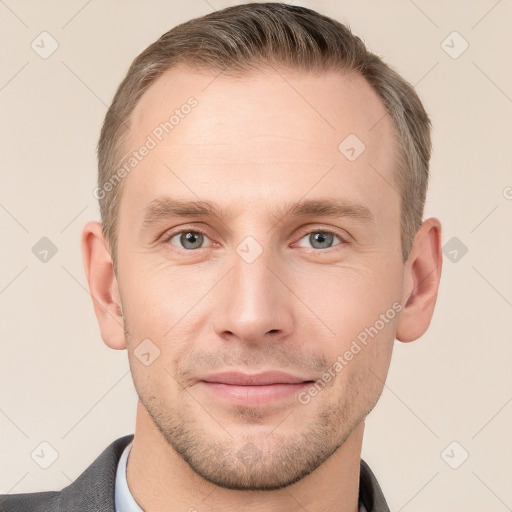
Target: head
pixel 262 178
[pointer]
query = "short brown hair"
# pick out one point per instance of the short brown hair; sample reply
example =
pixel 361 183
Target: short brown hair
pixel 247 37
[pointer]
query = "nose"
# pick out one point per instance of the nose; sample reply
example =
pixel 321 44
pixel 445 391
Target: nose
pixel 256 304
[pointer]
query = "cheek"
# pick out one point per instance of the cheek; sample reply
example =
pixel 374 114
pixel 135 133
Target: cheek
pixel 362 319
pixel 155 296
pixel 160 317
pixel 360 369
pixel 346 301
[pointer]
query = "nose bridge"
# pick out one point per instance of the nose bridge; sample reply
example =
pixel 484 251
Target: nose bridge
pixel 256 301
pixel 254 285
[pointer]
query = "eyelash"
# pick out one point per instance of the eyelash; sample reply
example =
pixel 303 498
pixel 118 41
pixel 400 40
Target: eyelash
pixel 171 235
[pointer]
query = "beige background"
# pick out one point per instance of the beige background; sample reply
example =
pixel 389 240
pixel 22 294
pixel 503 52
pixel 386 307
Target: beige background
pixel 60 384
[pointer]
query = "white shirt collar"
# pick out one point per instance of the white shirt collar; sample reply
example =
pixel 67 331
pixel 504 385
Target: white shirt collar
pixel 124 500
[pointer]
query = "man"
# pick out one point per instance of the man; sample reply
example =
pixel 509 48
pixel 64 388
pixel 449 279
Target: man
pixel 262 178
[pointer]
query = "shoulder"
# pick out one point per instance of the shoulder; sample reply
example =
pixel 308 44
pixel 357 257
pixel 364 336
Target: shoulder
pixel 93 490
pixel 33 502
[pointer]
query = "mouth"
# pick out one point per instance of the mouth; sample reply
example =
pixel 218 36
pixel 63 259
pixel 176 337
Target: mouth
pixel 254 390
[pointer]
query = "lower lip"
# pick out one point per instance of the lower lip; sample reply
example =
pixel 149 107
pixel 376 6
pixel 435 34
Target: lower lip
pixel 254 395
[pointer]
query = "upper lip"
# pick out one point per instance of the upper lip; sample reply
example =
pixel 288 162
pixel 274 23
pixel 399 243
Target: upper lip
pixel 255 379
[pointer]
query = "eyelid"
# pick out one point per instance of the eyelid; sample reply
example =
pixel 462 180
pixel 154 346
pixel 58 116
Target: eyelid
pixel 169 235
pixel 341 234
pixel 344 239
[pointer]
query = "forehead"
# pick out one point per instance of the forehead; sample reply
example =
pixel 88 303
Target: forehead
pixel 271 133
pixel 330 104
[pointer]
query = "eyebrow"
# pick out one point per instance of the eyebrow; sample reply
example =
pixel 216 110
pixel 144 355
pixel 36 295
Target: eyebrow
pixel 163 208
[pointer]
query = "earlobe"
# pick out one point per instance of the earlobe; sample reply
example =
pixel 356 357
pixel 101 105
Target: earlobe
pixel 103 285
pixel 421 282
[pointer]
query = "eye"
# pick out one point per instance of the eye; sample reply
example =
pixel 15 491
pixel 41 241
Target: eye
pixel 188 239
pixel 192 239
pixel 321 239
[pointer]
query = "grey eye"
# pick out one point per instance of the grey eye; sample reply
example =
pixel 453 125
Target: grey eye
pixel 320 239
pixel 189 240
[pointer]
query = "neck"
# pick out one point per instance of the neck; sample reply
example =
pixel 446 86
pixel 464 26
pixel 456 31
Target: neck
pixel 159 479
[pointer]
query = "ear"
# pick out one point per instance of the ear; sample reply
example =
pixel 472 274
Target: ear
pixel 421 282
pixel 103 285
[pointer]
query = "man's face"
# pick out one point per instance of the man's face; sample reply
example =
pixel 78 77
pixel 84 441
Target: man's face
pixel 253 289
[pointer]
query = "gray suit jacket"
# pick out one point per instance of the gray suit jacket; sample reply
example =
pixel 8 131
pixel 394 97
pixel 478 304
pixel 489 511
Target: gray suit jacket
pixel 93 490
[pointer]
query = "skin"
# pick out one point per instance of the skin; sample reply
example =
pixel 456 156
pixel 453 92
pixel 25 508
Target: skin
pixel 251 145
